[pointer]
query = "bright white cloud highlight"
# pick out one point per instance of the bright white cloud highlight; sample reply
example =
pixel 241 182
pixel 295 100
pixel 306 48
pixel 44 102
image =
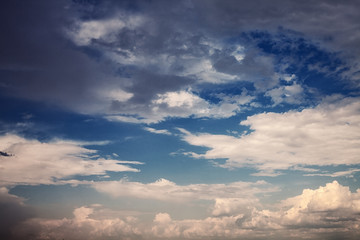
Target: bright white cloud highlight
pixel 328 134
pixel 34 162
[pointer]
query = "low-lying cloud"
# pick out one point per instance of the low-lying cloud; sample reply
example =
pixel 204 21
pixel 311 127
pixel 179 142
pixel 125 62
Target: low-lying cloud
pixel 331 210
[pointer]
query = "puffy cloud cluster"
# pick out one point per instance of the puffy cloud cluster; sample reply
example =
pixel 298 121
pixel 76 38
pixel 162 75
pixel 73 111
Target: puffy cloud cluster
pixel 325 135
pixel 31 162
pixel 323 213
pixel 84 225
pixel 332 210
pixel 330 206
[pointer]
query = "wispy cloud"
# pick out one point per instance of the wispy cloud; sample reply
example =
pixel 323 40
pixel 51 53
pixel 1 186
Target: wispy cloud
pixel 157 131
pixel 347 173
pixel 165 190
pixel 31 162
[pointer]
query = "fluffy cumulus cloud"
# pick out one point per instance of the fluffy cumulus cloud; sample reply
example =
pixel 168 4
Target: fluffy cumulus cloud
pixel 31 162
pixel 330 206
pixel 85 224
pixel 324 213
pixel 325 135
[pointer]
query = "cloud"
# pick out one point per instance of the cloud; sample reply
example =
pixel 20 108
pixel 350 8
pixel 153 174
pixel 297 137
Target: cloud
pixel 13 212
pixel 105 30
pixel 183 104
pixel 330 205
pixel 322 213
pixel 157 131
pixel 327 210
pixel 316 214
pixel 324 135
pixel 233 206
pixel 312 22
pixel 33 162
pixel 113 60
pixel 165 190
pixel 347 173
pixel 87 223
pixel 292 94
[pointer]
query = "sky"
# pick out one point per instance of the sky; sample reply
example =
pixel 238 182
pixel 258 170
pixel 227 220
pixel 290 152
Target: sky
pixel 192 119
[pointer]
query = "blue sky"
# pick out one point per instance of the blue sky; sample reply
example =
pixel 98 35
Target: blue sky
pixel 180 120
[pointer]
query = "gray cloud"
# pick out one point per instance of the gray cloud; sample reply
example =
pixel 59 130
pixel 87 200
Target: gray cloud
pixel 71 54
pixel 38 63
pixel 13 212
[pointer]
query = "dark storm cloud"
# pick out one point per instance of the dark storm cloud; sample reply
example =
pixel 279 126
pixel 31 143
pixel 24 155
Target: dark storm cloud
pixel 13 212
pixel 37 62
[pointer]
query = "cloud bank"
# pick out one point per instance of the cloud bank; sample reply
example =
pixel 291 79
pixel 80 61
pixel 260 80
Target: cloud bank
pixel 324 213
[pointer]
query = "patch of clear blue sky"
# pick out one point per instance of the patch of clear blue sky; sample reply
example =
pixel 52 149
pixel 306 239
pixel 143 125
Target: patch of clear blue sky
pixel 313 65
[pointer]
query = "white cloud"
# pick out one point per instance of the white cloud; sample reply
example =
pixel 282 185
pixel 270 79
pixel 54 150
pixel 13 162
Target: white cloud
pixel 166 190
pixel 331 197
pixel 315 214
pixel 83 32
pixel 332 210
pixel 182 104
pixel 232 206
pixel 180 99
pixel 157 131
pixel 87 223
pixel 129 119
pixel 34 162
pixel 292 94
pixel 347 173
pixel 328 134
